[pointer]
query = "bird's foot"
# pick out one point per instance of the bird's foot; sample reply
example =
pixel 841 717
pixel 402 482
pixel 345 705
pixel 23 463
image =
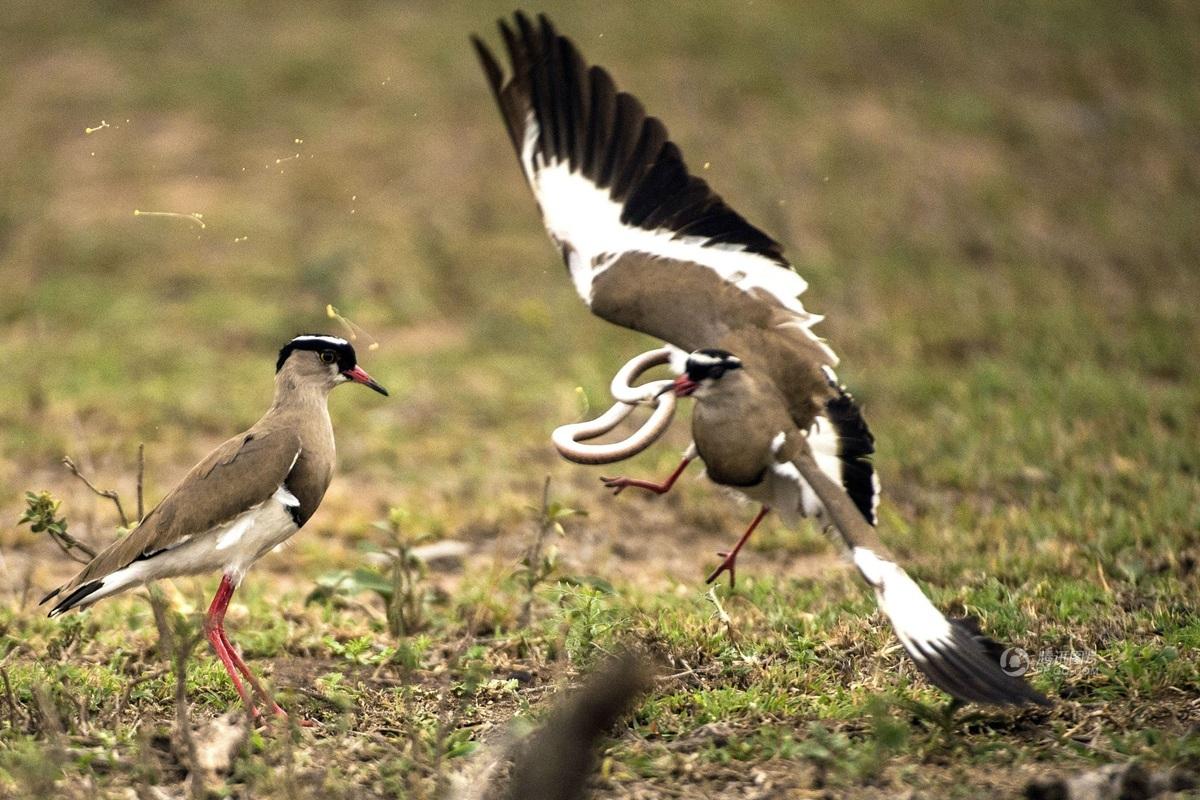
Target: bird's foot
pixel 620 484
pixel 279 715
pixel 728 565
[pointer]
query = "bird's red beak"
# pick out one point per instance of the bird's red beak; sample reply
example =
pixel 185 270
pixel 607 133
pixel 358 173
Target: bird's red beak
pixel 682 387
pixel 359 375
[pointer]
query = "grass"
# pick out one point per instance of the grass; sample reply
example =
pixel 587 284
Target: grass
pixel 995 208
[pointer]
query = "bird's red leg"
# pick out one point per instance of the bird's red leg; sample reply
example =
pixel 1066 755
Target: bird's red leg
pixel 262 693
pixel 617 484
pixel 730 562
pixel 229 654
pixel 214 630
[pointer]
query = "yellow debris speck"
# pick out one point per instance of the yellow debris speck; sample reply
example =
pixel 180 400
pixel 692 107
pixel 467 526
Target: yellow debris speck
pixel 193 217
pixel 352 329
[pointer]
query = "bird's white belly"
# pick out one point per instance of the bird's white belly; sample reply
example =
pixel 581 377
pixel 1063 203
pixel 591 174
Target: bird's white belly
pixel 784 490
pixel 232 546
pixel 787 494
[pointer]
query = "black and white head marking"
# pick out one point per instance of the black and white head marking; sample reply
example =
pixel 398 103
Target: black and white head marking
pixel 330 349
pixel 710 364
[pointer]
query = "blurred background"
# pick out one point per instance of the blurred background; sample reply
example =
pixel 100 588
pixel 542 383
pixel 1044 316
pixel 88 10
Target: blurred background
pixel 995 206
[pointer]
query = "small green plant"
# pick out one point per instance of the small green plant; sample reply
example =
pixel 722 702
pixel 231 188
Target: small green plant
pixel 41 514
pixel 334 689
pixel 589 618
pixel 471 670
pixel 400 584
pixel 406 608
pixel 357 649
pixel 541 559
pixel 860 761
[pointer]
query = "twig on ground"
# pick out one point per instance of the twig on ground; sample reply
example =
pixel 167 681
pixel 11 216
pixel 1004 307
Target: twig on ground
pixel 533 559
pixel 51 723
pixel 179 650
pixel 123 701
pixel 725 620
pixel 141 482
pixel 26 584
pixel 109 493
pixel 69 543
pixel 10 699
pixel 314 695
pixel 689 672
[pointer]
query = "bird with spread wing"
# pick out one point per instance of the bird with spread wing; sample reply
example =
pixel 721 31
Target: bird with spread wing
pixel 651 247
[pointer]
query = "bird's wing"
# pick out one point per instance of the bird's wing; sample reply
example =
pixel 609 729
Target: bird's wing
pixel 240 474
pixel 648 245
pixel 953 653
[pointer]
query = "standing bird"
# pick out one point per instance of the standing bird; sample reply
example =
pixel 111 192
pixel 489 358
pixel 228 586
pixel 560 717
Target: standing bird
pixel 651 247
pixel 248 496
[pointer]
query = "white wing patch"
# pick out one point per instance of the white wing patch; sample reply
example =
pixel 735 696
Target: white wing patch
pixel 875 497
pixel 807 504
pixel 823 441
pixel 581 216
pixel 913 616
pixel 285 497
pixel 232 532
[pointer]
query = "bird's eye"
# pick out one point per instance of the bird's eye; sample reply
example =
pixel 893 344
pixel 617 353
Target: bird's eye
pixel 328 356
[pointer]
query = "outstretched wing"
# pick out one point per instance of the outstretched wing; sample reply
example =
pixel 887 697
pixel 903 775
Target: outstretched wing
pixel 240 474
pixel 648 245
pixel 953 653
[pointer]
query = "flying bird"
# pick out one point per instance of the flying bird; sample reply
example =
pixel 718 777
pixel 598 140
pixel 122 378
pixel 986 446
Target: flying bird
pixel 651 247
pixel 248 496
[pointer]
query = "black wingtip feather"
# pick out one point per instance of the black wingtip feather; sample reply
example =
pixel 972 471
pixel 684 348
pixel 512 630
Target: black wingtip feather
pixel 491 67
pixel 856 445
pixel 495 75
pixel 75 598
pixel 601 108
pixel 606 136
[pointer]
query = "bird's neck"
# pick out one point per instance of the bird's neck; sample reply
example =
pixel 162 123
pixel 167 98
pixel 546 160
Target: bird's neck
pixel 294 394
pixel 304 408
